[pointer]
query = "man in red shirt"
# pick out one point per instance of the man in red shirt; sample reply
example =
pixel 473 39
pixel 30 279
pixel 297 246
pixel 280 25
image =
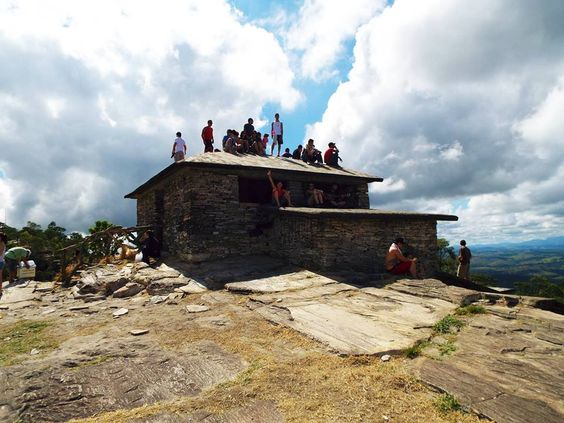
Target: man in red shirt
pixel 207 137
pixel 331 156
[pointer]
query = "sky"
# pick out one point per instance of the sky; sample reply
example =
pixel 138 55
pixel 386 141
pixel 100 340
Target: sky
pixel 458 105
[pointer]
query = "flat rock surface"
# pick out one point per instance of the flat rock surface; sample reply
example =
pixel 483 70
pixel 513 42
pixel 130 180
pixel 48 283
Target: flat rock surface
pixel 508 366
pixel 505 364
pixel 285 282
pixel 354 321
pixel 127 376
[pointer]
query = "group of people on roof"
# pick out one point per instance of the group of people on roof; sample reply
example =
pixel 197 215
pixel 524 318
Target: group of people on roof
pixel 250 141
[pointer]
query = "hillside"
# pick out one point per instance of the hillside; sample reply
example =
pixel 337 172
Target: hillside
pixel 235 342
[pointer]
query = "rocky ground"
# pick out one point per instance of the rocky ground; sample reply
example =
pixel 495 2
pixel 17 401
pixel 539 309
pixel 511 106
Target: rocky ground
pixel 255 341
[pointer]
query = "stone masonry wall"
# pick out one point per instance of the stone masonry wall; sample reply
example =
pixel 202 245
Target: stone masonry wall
pixel 203 219
pixel 359 243
pixel 200 218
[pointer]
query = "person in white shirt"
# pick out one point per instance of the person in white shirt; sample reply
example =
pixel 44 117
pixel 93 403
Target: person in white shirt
pixel 277 130
pixel 178 148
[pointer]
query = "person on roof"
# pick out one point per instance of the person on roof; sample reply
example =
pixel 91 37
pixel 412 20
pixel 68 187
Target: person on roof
pixel 207 137
pixel 178 148
pixel 287 154
pixel 311 154
pixel 280 196
pixel 277 131
pixel 331 156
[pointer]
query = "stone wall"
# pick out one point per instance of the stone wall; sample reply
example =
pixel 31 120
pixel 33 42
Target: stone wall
pixel 199 217
pixel 355 242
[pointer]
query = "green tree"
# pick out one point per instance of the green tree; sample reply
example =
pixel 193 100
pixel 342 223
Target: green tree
pixel 540 286
pixel 102 244
pixel 446 256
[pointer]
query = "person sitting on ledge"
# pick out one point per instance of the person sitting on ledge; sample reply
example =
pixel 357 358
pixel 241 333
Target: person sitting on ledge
pixel 335 198
pixel 396 263
pixel 315 197
pixel 150 247
pixel 280 196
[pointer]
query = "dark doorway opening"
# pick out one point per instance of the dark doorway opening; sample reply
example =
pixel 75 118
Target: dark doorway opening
pixel 256 191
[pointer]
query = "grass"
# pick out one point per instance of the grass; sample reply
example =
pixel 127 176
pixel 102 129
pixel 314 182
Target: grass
pixel 447 403
pixel 447 348
pixel 415 350
pixel 17 341
pixel 470 309
pixel 447 323
pixel 306 382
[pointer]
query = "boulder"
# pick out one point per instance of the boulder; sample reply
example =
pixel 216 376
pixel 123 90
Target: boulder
pixel 166 285
pixel 130 289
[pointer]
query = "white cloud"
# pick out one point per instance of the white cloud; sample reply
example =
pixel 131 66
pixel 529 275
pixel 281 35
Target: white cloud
pixel 95 91
pixel 322 27
pixel 457 100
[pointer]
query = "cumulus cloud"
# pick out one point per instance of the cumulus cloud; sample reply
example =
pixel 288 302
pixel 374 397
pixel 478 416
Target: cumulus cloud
pixel 321 29
pixel 91 94
pixel 460 101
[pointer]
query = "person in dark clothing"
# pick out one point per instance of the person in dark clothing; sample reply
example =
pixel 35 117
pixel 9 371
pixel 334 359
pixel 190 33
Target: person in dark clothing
pixel 150 247
pixel 287 154
pixel 464 257
pixel 297 154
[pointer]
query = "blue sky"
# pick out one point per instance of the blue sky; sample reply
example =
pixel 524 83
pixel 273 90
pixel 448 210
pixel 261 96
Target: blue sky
pixel 457 105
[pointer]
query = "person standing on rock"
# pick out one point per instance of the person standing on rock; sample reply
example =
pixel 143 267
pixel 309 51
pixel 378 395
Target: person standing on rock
pixel 396 263
pixel 3 244
pixel 464 257
pixel 178 148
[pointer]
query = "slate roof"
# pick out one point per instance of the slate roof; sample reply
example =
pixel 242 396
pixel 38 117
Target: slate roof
pixel 247 162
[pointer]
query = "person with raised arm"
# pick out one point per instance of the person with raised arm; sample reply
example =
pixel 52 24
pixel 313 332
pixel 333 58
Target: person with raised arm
pixel 280 196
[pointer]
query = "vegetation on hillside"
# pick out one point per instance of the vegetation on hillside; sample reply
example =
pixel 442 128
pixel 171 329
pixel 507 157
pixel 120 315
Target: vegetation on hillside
pixel 46 244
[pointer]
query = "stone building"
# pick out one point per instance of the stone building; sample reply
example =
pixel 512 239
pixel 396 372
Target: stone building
pixel 218 205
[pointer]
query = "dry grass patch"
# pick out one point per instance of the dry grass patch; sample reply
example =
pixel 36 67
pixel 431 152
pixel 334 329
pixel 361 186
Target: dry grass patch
pixel 307 383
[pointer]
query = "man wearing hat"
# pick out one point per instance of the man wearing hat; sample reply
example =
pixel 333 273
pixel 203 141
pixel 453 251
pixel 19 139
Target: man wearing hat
pixel 396 263
pixel 331 156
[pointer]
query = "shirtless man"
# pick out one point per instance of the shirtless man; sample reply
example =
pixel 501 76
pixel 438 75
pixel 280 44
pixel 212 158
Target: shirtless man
pixel 396 263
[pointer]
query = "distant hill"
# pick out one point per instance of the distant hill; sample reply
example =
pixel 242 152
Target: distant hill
pixel 540 244
pixel 517 262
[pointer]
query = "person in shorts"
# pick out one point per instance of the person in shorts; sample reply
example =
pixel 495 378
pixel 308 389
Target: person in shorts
pixel 280 196
pixel 178 148
pixel 277 131
pixel 396 263
pixel 13 257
